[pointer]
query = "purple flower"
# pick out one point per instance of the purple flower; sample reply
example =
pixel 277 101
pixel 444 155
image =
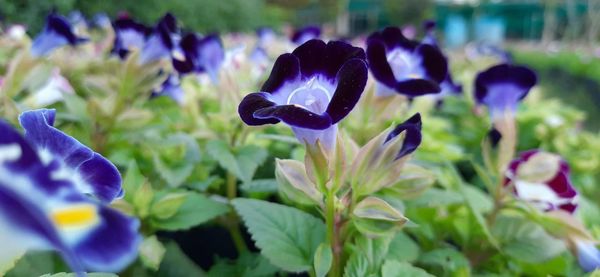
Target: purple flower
pixel 57 32
pixel 587 255
pixel 171 87
pixel 412 139
pixel 429 28
pixel 41 209
pixel 87 170
pixel 129 34
pixel 542 179
pixel 403 66
pixel 502 86
pixel 163 40
pixel 311 89
pixel 101 20
pixel 202 55
pixel 265 36
pixel 305 34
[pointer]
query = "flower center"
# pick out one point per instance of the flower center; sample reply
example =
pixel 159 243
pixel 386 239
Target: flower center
pixel 312 96
pixel 75 216
pixel 404 65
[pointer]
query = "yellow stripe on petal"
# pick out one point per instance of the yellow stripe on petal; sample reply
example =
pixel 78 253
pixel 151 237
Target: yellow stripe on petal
pixel 75 216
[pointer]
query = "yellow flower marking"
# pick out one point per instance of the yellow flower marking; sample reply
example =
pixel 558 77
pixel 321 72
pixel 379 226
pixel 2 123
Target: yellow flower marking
pixel 75 216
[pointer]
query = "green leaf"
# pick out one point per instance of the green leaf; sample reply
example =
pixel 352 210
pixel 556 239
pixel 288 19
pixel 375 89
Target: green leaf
pixel 34 264
pixel 447 259
pixel 294 183
pixel 287 236
pixel 367 256
pixel 401 269
pixel 403 248
pixel 168 205
pixel 173 176
pixel 142 199
pixel 373 216
pixel 247 265
pixel 177 264
pixel 323 259
pixel 132 181
pixel 91 274
pixel 196 210
pixel 152 252
pixel 243 164
pixel 260 186
pixel 526 241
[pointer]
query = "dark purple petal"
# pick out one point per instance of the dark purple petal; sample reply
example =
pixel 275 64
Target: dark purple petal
pixel 252 103
pixel 351 80
pixel 295 116
pixel 286 69
pixel 337 54
pixel 111 246
pixel 429 25
pixel 393 37
pixel 96 172
pixel 494 136
pixel 128 34
pixel 434 63
pixel 27 159
pixel 417 87
pixel 311 55
pixel 205 55
pixel 412 138
pixel 380 68
pixel 562 186
pixel 520 78
pixel 166 28
pixel 305 34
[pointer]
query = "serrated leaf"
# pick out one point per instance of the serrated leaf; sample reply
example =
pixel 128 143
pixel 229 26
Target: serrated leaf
pixel 367 256
pixel 196 210
pixel 247 265
pixel 152 252
pixel 91 274
pixel 287 236
pixel 446 258
pixel 323 259
pixel 132 181
pixel 400 269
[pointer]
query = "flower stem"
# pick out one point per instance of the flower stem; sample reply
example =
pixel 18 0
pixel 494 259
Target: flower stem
pixel 332 234
pixel 233 222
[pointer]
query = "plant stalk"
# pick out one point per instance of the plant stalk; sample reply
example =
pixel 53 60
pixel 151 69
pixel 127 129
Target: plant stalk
pixel 332 235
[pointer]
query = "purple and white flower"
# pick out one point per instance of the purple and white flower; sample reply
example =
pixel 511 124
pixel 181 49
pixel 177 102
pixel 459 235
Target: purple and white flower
pixel 171 87
pixel 40 209
pixel 310 89
pixel 202 55
pixel 502 87
pixel 163 41
pixel 89 171
pixel 266 36
pixel 403 66
pixel 57 32
pixel 129 35
pixel 305 34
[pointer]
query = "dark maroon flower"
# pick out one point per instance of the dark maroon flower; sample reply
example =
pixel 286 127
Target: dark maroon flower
pixel 502 86
pixel 404 66
pixel 310 89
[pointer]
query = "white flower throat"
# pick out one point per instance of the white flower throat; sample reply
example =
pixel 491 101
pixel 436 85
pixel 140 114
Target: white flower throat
pixel 313 96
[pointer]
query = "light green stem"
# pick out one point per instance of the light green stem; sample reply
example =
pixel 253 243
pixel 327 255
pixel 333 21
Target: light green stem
pixel 332 235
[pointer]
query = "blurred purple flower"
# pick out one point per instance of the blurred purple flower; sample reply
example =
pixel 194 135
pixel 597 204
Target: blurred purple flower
pixel 403 66
pixel 311 89
pixel 163 41
pixel 305 34
pixel 41 209
pixel 57 32
pixel 129 34
pixel 201 55
pixel 588 255
pixel 171 87
pixel 265 36
pixel 502 87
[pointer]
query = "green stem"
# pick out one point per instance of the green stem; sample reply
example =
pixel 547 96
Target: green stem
pixel 332 235
pixel 233 222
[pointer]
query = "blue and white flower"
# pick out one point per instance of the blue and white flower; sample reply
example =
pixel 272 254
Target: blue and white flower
pixel 57 32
